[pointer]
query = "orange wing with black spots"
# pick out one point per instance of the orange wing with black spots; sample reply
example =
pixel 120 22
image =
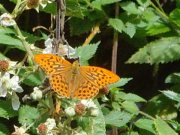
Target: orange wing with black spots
pixel 70 80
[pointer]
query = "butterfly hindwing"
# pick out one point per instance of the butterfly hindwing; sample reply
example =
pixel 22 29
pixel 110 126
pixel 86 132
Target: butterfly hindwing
pixel 52 64
pixel 59 85
pixel 86 90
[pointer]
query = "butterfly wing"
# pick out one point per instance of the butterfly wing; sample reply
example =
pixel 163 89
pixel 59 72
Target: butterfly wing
pixel 58 71
pixel 95 79
pixel 52 64
pixel 59 85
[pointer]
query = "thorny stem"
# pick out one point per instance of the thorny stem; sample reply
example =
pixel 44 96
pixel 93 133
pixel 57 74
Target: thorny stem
pixel 114 55
pixel 94 31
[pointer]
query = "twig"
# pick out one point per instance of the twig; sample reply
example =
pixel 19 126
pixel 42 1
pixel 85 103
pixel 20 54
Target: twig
pixel 114 55
pixel 115 43
pixel 94 31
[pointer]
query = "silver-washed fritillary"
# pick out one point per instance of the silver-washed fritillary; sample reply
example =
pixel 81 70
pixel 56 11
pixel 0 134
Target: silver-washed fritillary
pixel 73 80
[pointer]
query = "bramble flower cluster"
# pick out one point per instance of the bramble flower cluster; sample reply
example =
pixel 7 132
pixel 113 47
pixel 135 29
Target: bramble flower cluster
pixel 47 127
pixel 9 86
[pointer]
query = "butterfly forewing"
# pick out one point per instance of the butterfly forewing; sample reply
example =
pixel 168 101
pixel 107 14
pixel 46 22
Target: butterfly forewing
pixel 52 64
pixel 100 77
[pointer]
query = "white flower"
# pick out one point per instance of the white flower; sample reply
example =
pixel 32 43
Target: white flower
pixel 19 131
pixel 7 20
pixel 50 124
pixel 10 86
pixel 48 45
pixel 88 103
pixel 70 111
pixel 36 94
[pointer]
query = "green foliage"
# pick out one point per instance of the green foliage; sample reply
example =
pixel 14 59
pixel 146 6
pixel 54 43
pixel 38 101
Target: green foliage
pixel 6 111
pixel 118 118
pixel 28 115
pixel 3 129
pixel 160 51
pixel 144 25
pixel 146 124
pixel 86 52
pixel 163 128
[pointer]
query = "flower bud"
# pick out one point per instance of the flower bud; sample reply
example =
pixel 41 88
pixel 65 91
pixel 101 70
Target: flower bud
pixel 70 111
pixel 80 109
pixel 4 64
pixel 36 94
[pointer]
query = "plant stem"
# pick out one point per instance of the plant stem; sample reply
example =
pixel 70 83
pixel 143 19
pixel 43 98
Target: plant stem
pixel 115 43
pixel 146 115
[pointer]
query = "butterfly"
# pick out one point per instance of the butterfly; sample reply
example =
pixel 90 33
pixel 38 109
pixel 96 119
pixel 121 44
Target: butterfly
pixel 72 80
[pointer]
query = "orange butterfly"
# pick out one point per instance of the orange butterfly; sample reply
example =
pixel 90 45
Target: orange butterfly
pixel 71 79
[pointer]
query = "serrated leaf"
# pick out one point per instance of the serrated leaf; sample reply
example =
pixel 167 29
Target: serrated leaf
pixel 117 24
pixel 146 124
pixel 130 7
pixel 172 95
pixel 3 130
pixel 160 51
pixel 129 29
pixel 173 78
pixel 117 118
pixel 120 83
pixel 163 128
pixel 130 107
pixel 86 52
pixel 75 9
pixel 6 110
pixel 133 97
pixel 28 115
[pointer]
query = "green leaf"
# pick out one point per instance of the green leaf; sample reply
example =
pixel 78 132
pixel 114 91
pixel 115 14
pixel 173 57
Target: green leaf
pixel 130 7
pixel 99 3
pixel 133 97
pixel 175 15
pixel 172 95
pixel 173 78
pixel 120 83
pixel 6 110
pixel 117 24
pixel 163 128
pixel 130 107
pixel 11 42
pixel 50 8
pixel 86 52
pixel 146 124
pixel 117 118
pixel 75 9
pixel 129 29
pixel 160 51
pixel 29 78
pixel 28 115
pixel 3 130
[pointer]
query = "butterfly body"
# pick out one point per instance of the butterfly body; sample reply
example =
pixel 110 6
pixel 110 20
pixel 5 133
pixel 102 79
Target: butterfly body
pixel 72 80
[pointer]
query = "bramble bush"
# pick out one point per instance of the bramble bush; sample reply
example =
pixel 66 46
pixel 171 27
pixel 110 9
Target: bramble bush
pixel 28 107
